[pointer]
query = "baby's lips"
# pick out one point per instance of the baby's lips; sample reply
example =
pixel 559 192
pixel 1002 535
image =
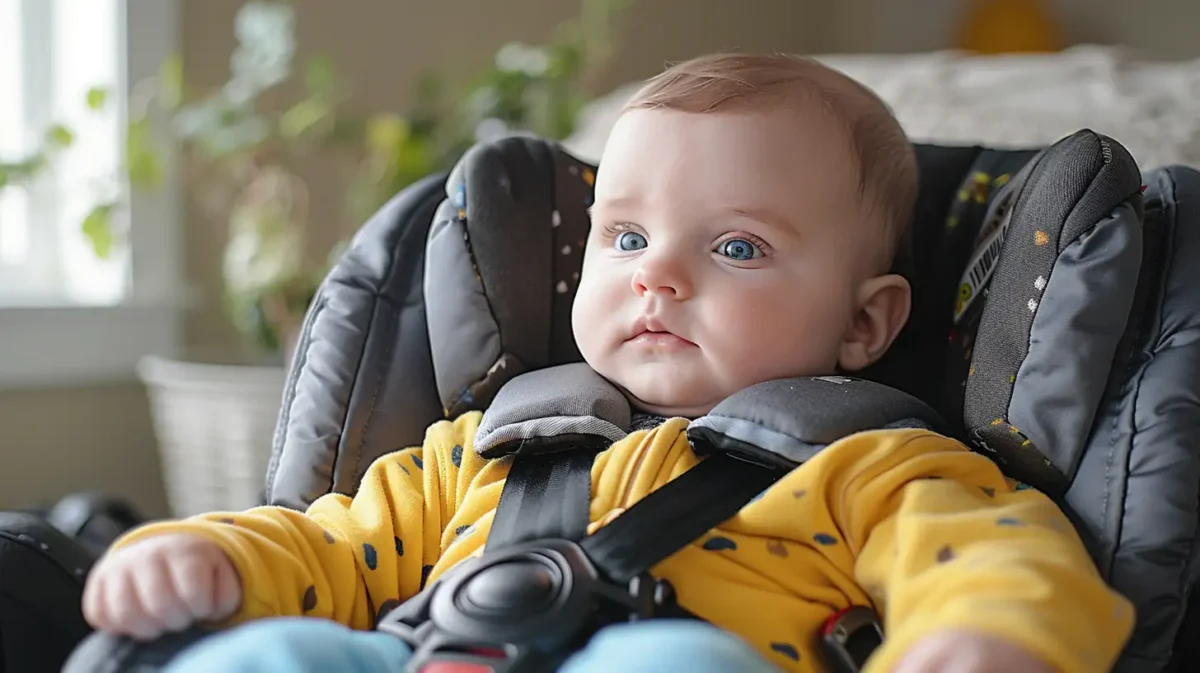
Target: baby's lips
pixel 653 325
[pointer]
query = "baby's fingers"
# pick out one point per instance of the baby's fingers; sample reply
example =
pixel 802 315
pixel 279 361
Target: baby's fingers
pixel 193 581
pixel 126 615
pixel 161 602
pixel 95 607
pixel 227 590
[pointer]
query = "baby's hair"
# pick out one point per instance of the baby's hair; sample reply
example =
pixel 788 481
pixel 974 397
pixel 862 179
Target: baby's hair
pixel 883 155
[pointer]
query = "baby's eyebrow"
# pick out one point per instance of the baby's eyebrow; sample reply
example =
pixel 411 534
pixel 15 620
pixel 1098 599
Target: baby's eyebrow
pixel 767 216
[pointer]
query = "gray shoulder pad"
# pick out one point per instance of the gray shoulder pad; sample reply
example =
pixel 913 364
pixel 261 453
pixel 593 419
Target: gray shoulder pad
pixel 786 422
pixel 559 407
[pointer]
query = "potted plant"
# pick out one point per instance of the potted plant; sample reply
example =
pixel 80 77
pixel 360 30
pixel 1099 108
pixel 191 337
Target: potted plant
pixel 215 420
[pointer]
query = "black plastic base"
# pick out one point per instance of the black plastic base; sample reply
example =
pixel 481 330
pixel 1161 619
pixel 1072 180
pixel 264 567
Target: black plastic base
pixel 523 610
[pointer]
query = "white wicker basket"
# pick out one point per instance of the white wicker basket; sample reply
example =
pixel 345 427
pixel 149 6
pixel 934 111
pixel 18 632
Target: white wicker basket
pixel 214 425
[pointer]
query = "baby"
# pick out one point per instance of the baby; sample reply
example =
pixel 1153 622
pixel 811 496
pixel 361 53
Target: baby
pixel 745 219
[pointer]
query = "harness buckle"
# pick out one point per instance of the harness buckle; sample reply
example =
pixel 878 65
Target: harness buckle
pixel 849 637
pixel 521 610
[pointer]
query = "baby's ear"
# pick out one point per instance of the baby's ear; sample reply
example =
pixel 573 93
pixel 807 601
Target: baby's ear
pixel 883 306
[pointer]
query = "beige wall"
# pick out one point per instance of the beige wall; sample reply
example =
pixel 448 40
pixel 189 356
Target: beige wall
pixel 87 439
pixel 59 441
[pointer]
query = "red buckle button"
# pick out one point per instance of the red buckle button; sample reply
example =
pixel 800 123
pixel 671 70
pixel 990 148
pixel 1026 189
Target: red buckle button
pixel 465 666
pixel 455 667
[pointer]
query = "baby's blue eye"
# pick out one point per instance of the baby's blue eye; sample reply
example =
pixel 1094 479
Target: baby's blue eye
pixel 739 249
pixel 628 241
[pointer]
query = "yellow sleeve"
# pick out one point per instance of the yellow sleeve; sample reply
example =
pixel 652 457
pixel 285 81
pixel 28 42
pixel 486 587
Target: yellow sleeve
pixel 949 543
pixel 347 559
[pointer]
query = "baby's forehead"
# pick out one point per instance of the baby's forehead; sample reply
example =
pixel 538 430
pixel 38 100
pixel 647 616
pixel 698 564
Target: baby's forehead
pixel 716 183
pixel 764 142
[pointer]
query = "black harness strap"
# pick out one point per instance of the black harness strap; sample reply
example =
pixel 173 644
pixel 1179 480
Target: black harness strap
pixel 681 511
pixel 546 496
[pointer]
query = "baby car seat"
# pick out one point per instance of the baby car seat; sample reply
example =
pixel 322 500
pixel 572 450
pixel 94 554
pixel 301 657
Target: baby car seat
pixel 1056 328
pixel 45 556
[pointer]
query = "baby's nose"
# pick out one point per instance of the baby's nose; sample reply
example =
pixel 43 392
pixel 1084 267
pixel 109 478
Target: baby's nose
pixel 664 277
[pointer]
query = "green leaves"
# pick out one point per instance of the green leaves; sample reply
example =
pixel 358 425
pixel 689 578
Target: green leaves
pixel 385 133
pixel 313 117
pixel 59 137
pixel 397 155
pixel 24 170
pixel 319 76
pixel 302 117
pixel 96 98
pixel 144 167
pixel 170 82
pixel 97 229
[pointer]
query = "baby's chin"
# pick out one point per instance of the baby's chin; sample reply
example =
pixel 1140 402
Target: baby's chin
pixel 674 389
pixel 673 400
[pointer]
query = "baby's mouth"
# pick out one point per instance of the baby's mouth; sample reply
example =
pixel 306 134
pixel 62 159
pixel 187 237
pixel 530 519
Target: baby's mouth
pixel 651 332
pixel 661 340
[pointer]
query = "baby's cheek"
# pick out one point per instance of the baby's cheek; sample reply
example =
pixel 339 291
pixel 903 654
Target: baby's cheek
pixel 773 341
pixel 592 316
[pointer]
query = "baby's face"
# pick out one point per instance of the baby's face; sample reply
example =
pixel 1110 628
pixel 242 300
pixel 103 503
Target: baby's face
pixel 724 251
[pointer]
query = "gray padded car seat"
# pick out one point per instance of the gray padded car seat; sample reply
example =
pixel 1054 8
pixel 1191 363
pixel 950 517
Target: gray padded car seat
pixel 1056 327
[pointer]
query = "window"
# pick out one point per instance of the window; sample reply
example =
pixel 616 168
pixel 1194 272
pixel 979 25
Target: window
pixel 51 53
pixel 67 316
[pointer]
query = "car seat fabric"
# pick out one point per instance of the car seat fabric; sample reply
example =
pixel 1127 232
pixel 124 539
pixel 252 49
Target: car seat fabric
pixel 1080 340
pixel 957 185
pixel 503 262
pixel 780 423
pixel 361 382
pixel 1137 488
pixel 1118 312
pixel 1071 257
pixel 41 590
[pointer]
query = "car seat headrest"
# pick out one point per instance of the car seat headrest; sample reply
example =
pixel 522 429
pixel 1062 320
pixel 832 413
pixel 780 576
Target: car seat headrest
pixel 1042 303
pixel 502 267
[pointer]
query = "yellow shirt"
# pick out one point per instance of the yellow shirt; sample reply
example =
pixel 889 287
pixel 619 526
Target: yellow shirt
pixel 930 534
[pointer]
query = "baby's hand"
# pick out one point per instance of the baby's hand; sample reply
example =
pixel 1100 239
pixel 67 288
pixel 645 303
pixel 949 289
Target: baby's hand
pixel 960 651
pixel 161 584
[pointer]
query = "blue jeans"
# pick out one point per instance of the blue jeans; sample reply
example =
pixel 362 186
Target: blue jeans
pixel 298 645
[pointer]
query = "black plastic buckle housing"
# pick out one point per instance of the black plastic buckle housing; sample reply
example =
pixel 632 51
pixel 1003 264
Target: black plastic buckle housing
pixel 521 610
pixel 849 637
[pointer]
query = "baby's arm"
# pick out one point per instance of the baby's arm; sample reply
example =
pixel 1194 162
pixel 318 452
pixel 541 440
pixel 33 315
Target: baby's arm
pixel 345 559
pixel 948 545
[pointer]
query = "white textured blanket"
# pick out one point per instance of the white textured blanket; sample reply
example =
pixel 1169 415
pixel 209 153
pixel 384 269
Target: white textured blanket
pixel 1153 108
